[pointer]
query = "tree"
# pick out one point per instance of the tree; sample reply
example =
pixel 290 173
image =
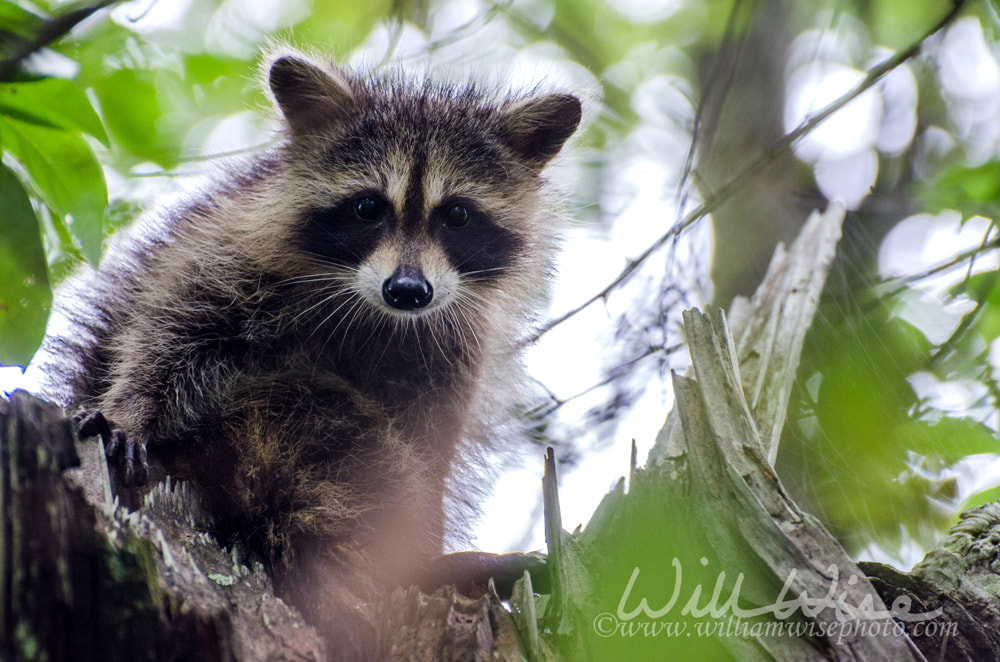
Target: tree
pixel 867 416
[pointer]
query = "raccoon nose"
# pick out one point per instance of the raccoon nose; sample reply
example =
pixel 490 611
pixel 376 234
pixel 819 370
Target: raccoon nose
pixel 407 289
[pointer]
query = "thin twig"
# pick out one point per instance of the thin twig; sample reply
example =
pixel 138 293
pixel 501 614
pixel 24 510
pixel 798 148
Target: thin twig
pixel 613 374
pixel 753 169
pixel 970 317
pixel 51 30
pixel 946 348
pixel 944 266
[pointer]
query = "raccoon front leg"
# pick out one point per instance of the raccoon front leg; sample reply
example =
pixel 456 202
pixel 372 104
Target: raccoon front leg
pixel 124 453
pixel 168 376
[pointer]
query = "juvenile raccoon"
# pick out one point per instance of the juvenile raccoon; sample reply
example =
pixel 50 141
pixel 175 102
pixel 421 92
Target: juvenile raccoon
pixel 314 338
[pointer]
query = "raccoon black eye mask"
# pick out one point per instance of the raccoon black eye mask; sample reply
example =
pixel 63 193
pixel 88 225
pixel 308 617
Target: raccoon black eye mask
pixel 346 234
pixel 315 338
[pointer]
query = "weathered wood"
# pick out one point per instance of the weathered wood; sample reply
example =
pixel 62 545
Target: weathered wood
pixel 961 579
pixel 732 412
pixel 65 594
pixel 771 326
pixel 709 483
pixel 445 626
pixel 728 466
pixel 82 580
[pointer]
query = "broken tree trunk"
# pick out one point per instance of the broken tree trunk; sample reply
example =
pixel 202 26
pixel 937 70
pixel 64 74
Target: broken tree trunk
pixel 84 580
pixel 705 557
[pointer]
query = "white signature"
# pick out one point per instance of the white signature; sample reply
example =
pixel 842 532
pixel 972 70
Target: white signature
pixel 782 608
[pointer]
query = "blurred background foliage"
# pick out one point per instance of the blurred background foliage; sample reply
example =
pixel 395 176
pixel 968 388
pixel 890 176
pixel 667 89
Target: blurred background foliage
pixel 893 427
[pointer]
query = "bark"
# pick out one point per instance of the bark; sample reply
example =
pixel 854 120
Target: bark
pixel 960 578
pixel 84 580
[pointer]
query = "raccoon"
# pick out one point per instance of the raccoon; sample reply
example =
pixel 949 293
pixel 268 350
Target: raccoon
pixel 317 339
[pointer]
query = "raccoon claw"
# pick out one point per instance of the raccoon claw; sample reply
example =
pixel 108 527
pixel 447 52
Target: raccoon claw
pixel 119 448
pixel 130 456
pixel 91 423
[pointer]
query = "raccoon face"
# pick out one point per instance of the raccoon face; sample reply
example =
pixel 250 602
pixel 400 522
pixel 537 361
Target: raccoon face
pixel 410 261
pixel 419 196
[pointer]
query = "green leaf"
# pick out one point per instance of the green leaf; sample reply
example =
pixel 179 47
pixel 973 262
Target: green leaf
pixel 132 114
pixel 15 20
pixel 984 289
pixel 969 190
pixel 949 439
pixel 895 23
pixel 980 498
pixel 988 322
pixel 51 102
pixel 24 287
pixel 346 24
pixel 981 287
pixel 66 175
pixel 843 455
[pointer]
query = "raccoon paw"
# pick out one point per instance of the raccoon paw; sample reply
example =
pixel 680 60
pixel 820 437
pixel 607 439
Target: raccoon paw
pixel 123 452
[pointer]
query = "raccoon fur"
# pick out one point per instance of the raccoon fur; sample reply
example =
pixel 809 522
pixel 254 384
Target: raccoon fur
pixel 316 339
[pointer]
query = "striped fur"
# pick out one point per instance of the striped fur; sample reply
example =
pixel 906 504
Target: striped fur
pixel 246 338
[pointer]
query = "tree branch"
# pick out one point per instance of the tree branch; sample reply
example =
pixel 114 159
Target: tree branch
pixel 752 170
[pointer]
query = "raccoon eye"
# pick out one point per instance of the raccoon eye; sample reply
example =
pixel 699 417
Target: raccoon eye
pixel 456 216
pixel 369 208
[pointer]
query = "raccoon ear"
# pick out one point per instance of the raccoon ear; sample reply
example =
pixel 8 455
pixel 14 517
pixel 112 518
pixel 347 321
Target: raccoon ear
pixel 535 129
pixel 310 97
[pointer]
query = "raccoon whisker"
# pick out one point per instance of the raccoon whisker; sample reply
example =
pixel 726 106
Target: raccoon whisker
pixel 325 294
pixel 465 327
pixel 357 303
pixel 327 265
pixel 455 321
pixel 352 315
pixel 453 317
pixel 331 265
pixel 474 301
pixel 339 241
pixel 312 301
pixel 334 273
pixel 420 350
pixel 475 307
pixel 467 280
pixel 316 307
pixel 322 290
pixel 317 278
pixel 463 308
pixel 325 273
pixel 479 251
pixel 410 325
pixel 473 275
pixel 382 321
pixel 475 326
pixel 438 337
pixel 351 302
pixel 434 330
